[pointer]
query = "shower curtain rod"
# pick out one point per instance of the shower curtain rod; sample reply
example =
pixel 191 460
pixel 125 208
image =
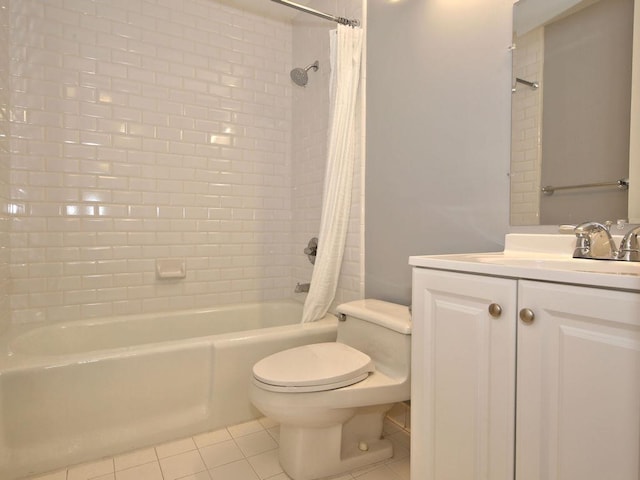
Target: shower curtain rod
pixel 326 16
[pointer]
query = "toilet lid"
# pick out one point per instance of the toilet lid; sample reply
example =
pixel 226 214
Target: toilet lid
pixel 312 368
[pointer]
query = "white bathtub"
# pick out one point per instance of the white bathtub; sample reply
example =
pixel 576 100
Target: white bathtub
pixel 76 391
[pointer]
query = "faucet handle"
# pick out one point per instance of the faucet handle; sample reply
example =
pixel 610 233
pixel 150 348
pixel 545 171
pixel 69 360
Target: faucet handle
pixel 594 241
pixel 630 246
pixel 583 245
pixel 583 239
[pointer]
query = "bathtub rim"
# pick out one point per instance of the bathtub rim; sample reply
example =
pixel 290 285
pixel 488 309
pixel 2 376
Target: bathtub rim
pixel 11 361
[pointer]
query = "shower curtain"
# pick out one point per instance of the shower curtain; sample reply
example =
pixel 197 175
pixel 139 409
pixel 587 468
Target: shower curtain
pixel 346 53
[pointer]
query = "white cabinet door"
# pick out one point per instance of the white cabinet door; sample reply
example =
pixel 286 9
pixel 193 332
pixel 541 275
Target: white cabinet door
pixel 463 382
pixel 578 384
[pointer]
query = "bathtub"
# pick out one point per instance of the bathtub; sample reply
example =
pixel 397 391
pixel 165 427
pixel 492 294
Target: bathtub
pixel 75 391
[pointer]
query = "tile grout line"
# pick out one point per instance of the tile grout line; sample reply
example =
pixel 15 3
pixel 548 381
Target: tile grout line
pixel 206 467
pixel 155 452
pixel 242 452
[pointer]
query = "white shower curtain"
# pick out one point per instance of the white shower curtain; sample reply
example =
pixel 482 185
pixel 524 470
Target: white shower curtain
pixel 346 53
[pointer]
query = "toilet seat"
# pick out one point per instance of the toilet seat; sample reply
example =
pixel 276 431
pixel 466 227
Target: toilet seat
pixel 312 368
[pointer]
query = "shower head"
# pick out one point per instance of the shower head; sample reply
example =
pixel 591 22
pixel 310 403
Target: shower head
pixel 299 75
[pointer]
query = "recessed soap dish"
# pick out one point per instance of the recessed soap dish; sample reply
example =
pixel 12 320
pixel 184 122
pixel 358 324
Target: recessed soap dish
pixel 170 268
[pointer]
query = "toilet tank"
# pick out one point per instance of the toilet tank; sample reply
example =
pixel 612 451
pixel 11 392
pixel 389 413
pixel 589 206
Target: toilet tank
pixel 380 329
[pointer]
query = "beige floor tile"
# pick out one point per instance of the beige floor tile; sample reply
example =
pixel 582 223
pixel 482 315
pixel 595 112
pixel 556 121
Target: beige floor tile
pixel 174 448
pixel 135 458
pixel 181 465
pixel 220 454
pixel 148 471
pixel 198 476
pixel 266 464
pixel 245 428
pixel 275 433
pixel 366 469
pixel 379 473
pixel 86 471
pixel 281 476
pixel 240 470
pixel 109 476
pixel 256 443
pixel 210 438
pixel 402 468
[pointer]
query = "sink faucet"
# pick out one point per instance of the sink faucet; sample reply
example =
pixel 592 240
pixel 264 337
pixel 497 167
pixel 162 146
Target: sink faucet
pixel 630 247
pixel 593 240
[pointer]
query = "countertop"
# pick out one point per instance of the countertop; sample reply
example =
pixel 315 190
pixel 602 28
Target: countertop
pixel 543 257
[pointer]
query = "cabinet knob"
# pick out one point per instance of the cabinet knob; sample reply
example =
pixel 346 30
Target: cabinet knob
pixel 527 315
pixel 495 310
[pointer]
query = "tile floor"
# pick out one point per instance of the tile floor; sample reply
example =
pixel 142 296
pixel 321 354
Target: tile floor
pixel 242 452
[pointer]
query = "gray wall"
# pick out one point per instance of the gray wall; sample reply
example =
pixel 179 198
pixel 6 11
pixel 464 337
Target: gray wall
pixel 438 134
pixel 587 93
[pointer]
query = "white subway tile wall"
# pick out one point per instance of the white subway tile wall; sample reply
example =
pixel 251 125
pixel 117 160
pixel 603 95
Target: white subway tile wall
pixel 152 129
pixel 526 130
pixel 5 313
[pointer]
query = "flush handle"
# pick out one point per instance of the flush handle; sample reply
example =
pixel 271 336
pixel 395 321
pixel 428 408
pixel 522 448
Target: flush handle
pixel 495 310
pixel 527 316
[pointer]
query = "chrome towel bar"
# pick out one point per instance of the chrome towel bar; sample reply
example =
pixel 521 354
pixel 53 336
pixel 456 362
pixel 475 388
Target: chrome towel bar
pixel 532 85
pixel 622 184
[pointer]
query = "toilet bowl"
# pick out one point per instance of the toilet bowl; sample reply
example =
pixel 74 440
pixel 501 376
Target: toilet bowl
pixel 330 399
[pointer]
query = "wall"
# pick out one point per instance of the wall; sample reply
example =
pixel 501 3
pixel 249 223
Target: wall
pixel 438 110
pixel 145 130
pixel 4 165
pixel 309 147
pixel 587 93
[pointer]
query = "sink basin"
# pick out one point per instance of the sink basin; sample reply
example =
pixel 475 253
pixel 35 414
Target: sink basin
pixel 578 265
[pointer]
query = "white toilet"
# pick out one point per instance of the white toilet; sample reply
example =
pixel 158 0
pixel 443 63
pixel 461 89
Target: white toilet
pixel 331 398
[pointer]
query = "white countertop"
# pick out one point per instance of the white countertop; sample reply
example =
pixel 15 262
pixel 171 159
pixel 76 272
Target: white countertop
pixel 539 257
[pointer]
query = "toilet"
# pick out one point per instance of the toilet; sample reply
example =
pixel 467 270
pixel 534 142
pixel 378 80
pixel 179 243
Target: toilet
pixel 330 399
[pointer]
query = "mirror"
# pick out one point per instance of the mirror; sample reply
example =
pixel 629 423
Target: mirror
pixel 575 111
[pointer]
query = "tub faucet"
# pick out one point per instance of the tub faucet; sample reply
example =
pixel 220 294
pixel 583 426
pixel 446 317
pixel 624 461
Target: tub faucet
pixel 302 287
pixel 594 241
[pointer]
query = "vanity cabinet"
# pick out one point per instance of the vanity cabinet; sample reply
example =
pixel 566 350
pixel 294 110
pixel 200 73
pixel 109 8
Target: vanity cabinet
pixel 523 379
pixel 578 383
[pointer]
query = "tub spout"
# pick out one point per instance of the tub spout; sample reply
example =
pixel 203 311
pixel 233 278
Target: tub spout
pixel 302 287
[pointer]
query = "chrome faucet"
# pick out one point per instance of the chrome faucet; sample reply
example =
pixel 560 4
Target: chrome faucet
pixel 594 241
pixel 630 247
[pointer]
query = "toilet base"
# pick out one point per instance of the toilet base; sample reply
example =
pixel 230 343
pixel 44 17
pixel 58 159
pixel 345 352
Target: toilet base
pixel 310 453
